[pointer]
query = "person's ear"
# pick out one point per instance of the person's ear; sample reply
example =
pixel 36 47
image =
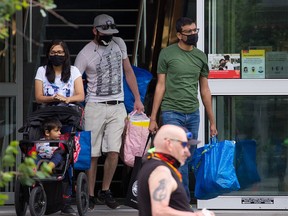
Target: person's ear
pixel 169 145
pixel 94 30
pixel 179 36
pixel 47 133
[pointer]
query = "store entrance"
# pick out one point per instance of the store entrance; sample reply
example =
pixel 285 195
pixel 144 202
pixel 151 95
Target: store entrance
pixel 258 124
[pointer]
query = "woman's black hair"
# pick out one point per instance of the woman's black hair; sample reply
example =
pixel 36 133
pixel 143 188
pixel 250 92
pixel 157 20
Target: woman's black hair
pixel 66 66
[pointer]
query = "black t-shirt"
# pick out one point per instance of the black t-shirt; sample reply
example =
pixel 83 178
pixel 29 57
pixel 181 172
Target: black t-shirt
pixel 178 199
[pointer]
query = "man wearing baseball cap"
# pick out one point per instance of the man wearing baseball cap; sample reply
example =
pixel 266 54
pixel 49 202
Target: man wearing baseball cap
pixel 103 60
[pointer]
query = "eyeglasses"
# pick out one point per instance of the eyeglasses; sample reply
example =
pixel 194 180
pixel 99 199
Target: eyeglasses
pixel 59 52
pixel 106 27
pixel 194 31
pixel 183 143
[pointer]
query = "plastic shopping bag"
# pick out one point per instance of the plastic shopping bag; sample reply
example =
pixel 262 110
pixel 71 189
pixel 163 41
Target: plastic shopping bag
pixel 143 78
pixel 82 151
pixel 132 191
pixel 214 170
pixel 135 137
pixel 246 165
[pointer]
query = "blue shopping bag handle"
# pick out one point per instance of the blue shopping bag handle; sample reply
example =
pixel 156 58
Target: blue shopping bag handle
pixel 213 140
pixel 206 148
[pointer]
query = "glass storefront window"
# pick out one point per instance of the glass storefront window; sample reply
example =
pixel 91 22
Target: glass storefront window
pixel 232 26
pixel 259 125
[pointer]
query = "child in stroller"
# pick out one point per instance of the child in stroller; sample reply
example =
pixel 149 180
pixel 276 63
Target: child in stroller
pixel 51 130
pixel 46 152
pixel 49 195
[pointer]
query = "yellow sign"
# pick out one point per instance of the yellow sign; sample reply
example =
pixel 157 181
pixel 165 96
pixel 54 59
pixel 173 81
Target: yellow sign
pixel 253 64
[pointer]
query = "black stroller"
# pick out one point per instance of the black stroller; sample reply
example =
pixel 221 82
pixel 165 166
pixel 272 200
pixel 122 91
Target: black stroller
pixel 46 195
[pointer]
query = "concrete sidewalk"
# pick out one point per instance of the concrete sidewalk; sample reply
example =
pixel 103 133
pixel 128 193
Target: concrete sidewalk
pixel 103 210
pixel 99 210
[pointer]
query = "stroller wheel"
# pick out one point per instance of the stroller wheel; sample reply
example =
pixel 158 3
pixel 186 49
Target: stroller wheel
pixel 82 199
pixel 37 201
pixel 20 197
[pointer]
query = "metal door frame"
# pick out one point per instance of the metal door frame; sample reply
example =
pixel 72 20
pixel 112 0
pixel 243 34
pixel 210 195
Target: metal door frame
pixel 15 89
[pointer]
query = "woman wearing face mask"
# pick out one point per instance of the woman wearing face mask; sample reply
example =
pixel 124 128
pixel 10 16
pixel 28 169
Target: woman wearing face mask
pixel 58 82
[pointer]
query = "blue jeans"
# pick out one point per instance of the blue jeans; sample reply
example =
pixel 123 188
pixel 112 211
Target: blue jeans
pixel 191 122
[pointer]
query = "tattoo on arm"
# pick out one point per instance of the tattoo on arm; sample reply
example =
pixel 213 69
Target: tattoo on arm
pixel 160 192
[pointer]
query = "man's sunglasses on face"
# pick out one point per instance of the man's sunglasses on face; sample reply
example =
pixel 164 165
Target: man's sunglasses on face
pixel 106 27
pixel 183 143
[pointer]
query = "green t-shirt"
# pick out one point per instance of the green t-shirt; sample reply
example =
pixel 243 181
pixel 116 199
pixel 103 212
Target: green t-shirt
pixel 182 69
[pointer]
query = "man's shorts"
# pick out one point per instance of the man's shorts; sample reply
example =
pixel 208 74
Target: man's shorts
pixel 106 123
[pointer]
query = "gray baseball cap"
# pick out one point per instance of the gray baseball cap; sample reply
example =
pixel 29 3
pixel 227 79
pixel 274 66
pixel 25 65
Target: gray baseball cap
pixel 105 24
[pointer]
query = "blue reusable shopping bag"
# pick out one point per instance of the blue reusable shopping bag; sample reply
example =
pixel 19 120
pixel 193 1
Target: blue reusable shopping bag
pixel 214 170
pixel 82 151
pixel 143 78
pixel 246 165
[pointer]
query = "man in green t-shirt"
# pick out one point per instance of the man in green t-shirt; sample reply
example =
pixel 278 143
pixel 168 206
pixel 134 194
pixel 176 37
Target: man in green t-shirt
pixel 181 66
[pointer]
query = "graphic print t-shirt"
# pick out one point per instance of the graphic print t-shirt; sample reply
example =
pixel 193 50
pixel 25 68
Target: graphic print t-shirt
pixel 58 87
pixel 104 69
pixel 45 150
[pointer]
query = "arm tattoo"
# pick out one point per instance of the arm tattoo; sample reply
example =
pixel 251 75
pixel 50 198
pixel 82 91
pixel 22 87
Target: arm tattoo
pixel 160 192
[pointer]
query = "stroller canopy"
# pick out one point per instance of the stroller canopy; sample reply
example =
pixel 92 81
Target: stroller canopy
pixel 68 115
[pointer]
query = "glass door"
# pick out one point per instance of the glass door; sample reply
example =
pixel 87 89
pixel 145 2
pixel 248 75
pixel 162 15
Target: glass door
pixel 255 115
pixel 251 111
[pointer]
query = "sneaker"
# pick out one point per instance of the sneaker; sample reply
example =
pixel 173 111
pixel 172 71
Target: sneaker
pixel 105 197
pixel 92 202
pixel 68 210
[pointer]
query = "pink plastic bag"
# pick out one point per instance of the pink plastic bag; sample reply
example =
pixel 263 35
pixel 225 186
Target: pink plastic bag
pixel 136 136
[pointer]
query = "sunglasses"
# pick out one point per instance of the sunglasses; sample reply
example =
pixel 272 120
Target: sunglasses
pixel 107 26
pixel 183 143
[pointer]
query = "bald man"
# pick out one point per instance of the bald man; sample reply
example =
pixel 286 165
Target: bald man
pixel 160 191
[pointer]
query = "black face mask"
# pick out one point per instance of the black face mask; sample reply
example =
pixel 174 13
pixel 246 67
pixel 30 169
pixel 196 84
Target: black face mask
pixel 104 40
pixel 57 60
pixel 191 39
